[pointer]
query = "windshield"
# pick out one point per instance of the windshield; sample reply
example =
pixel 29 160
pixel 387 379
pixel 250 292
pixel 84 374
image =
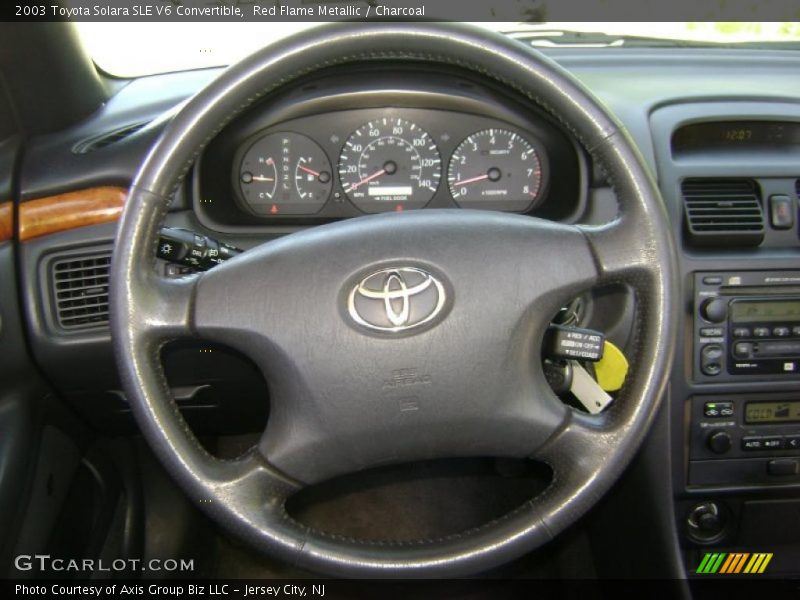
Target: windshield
pixel 136 49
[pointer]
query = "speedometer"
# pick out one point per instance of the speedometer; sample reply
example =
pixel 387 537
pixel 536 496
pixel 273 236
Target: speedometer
pixel 390 164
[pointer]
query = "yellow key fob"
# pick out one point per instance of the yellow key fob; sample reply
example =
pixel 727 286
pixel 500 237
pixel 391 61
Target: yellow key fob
pixel 612 369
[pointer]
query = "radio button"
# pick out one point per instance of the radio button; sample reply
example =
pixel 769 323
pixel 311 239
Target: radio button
pixel 710 359
pixel 761 332
pixel 796 330
pixel 792 442
pixel 742 332
pixel 712 280
pixel 743 349
pixel 711 369
pixel 711 331
pixel 714 310
pixel 780 332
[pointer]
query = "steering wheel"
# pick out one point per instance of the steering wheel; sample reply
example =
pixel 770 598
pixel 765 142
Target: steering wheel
pixel 456 300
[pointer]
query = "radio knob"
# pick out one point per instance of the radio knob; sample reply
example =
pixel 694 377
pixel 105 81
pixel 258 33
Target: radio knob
pixel 714 310
pixel 719 442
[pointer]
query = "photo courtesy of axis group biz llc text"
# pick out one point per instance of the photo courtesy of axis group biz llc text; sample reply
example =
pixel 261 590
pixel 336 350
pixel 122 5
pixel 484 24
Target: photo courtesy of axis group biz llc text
pixel 363 299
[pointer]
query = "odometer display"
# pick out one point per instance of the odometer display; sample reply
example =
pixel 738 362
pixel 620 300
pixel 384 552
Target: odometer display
pixel 389 164
pixel 495 169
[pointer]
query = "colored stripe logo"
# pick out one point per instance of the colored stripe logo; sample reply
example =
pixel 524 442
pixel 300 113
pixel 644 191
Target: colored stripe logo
pixel 734 563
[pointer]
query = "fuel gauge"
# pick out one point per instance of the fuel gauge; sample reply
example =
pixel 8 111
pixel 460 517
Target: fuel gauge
pixel 285 174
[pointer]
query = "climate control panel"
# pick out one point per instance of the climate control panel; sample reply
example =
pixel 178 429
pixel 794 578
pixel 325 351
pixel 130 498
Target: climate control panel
pixel 744 439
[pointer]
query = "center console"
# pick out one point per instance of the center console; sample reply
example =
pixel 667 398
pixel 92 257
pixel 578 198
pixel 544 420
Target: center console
pixel 735 389
pixel 746 328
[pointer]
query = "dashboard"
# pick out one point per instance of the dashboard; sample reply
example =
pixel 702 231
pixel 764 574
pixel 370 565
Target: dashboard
pixel 344 144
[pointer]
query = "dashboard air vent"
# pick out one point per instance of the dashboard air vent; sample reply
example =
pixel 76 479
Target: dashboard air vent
pixel 80 289
pixel 107 139
pixel 723 212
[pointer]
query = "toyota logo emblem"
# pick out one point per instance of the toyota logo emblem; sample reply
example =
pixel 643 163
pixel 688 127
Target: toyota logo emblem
pixel 396 300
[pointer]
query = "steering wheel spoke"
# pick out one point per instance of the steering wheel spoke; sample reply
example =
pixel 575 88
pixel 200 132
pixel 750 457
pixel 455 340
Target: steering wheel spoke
pixel 252 476
pixel 166 309
pixel 620 251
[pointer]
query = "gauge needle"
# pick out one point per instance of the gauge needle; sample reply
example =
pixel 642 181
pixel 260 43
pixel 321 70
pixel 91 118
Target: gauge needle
pixel 471 180
pixel 309 171
pixel 260 178
pixel 367 179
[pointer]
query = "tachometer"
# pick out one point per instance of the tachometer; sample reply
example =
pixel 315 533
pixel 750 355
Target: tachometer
pixel 495 169
pixel 285 174
pixel 389 164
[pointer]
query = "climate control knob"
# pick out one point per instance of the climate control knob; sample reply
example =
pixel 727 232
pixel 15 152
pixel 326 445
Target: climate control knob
pixel 719 442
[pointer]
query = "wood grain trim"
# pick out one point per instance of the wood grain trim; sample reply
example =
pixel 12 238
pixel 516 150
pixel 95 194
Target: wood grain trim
pixel 6 221
pixel 52 214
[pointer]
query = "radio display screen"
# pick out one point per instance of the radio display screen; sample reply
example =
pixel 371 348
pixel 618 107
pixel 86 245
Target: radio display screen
pixel 765 312
pixel 772 412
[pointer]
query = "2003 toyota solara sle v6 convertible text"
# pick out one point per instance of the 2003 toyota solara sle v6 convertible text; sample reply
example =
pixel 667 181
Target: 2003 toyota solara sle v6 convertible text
pixel 400 300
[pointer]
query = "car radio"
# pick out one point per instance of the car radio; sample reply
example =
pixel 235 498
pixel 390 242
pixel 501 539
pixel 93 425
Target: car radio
pixel 747 325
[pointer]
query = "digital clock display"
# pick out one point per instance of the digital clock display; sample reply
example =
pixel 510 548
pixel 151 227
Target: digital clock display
pixel 734 135
pixel 772 412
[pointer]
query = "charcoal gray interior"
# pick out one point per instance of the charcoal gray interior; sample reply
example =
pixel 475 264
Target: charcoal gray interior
pixel 314 337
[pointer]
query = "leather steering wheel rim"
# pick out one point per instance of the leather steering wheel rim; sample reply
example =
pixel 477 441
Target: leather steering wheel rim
pixel 587 454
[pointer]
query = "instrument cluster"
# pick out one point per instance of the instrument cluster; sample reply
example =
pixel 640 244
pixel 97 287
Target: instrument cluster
pixel 389 160
pixel 366 140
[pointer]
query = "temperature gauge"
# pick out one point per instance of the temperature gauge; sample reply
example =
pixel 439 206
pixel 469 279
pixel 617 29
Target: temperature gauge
pixel 285 174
